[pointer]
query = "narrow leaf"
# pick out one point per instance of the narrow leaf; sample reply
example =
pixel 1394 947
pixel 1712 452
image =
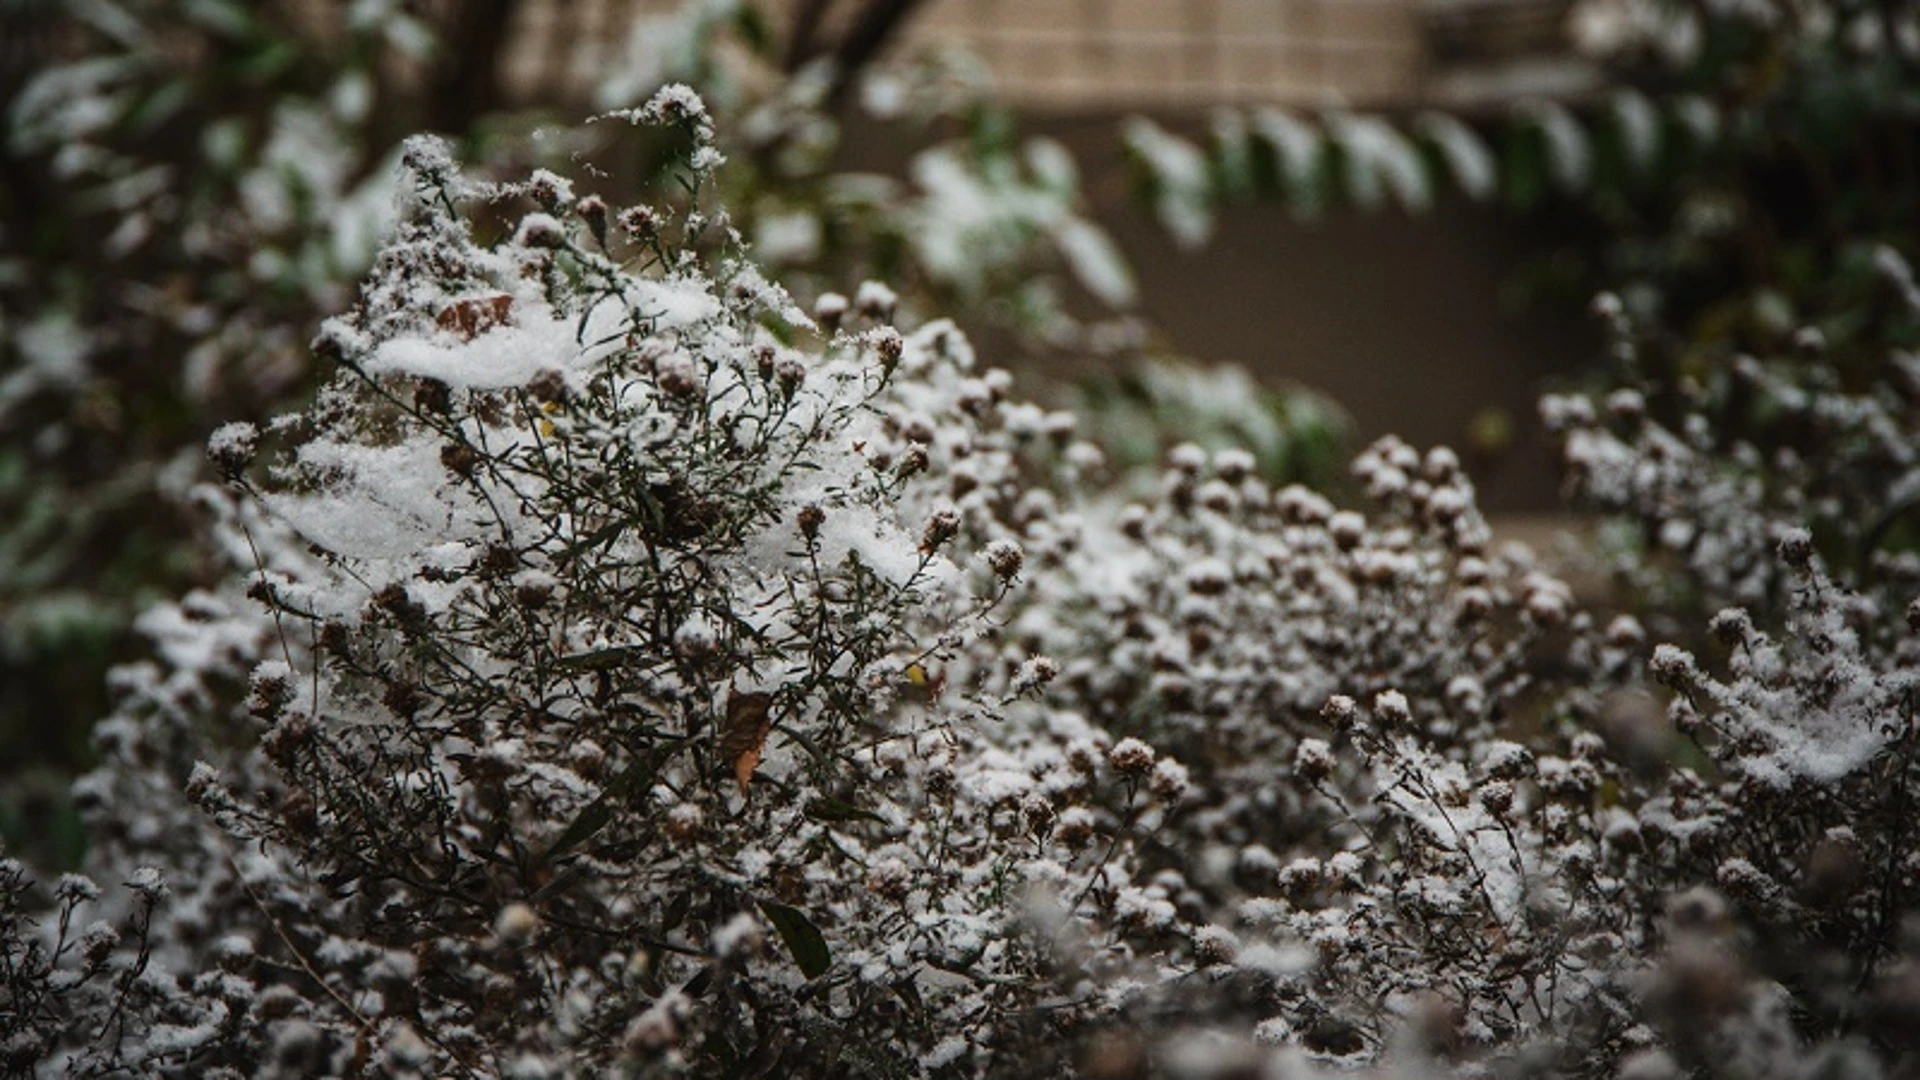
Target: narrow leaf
pixel 803 939
pixel 824 809
pixel 591 820
pixel 676 912
pixel 600 811
pixel 598 659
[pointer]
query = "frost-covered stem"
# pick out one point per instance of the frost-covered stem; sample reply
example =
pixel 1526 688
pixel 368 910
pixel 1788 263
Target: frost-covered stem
pixel 61 944
pixel 624 934
pixel 1098 873
pixel 260 567
pixel 1517 861
pixel 1889 906
pixel 300 958
pixel 116 1016
pixel 1412 780
pixel 1340 804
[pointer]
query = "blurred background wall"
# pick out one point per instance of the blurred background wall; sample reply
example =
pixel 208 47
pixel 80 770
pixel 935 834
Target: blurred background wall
pixel 1107 54
pixel 1408 321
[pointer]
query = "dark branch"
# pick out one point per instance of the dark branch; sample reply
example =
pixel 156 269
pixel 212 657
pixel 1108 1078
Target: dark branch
pixel 877 25
pixel 802 43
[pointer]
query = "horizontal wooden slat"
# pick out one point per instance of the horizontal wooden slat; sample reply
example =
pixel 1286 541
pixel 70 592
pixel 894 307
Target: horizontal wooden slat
pixel 1096 52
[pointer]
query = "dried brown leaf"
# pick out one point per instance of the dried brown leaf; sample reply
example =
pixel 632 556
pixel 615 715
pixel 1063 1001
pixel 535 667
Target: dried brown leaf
pixel 744 734
pixel 475 315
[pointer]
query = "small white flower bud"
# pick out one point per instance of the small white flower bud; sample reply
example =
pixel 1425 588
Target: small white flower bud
pixel 1169 781
pixel 1313 759
pixel 875 301
pixel 1234 465
pixel 1004 558
pixel 1036 672
pixel 675 374
pixel 829 309
pixel 1348 529
pixel 516 924
pixel 1391 705
pixel 1131 756
pixel 1625 632
pixel 231 447
pixel 1187 458
pixel 1339 709
pixel 1796 548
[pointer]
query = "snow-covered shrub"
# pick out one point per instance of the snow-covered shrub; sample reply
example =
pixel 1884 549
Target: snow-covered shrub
pixel 1705 472
pixel 1343 838
pixel 1760 515
pixel 1416 806
pixel 619 666
pixel 623 669
pixel 590 700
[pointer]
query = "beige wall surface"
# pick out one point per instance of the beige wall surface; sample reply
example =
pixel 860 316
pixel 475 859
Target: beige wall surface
pixel 1186 52
pixel 1064 53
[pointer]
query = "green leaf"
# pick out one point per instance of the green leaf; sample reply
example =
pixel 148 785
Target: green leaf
pixel 604 536
pixel 600 811
pixel 162 105
pixel 591 820
pixel 803 939
pixel 824 809
pixel 267 62
pixel 222 17
pixel 676 912
pixel 755 30
pixel 599 659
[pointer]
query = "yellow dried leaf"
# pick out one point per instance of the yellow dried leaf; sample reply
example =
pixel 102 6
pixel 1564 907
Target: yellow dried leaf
pixel 925 685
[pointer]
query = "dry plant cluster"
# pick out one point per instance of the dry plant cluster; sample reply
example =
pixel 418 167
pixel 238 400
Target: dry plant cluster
pixel 622 670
